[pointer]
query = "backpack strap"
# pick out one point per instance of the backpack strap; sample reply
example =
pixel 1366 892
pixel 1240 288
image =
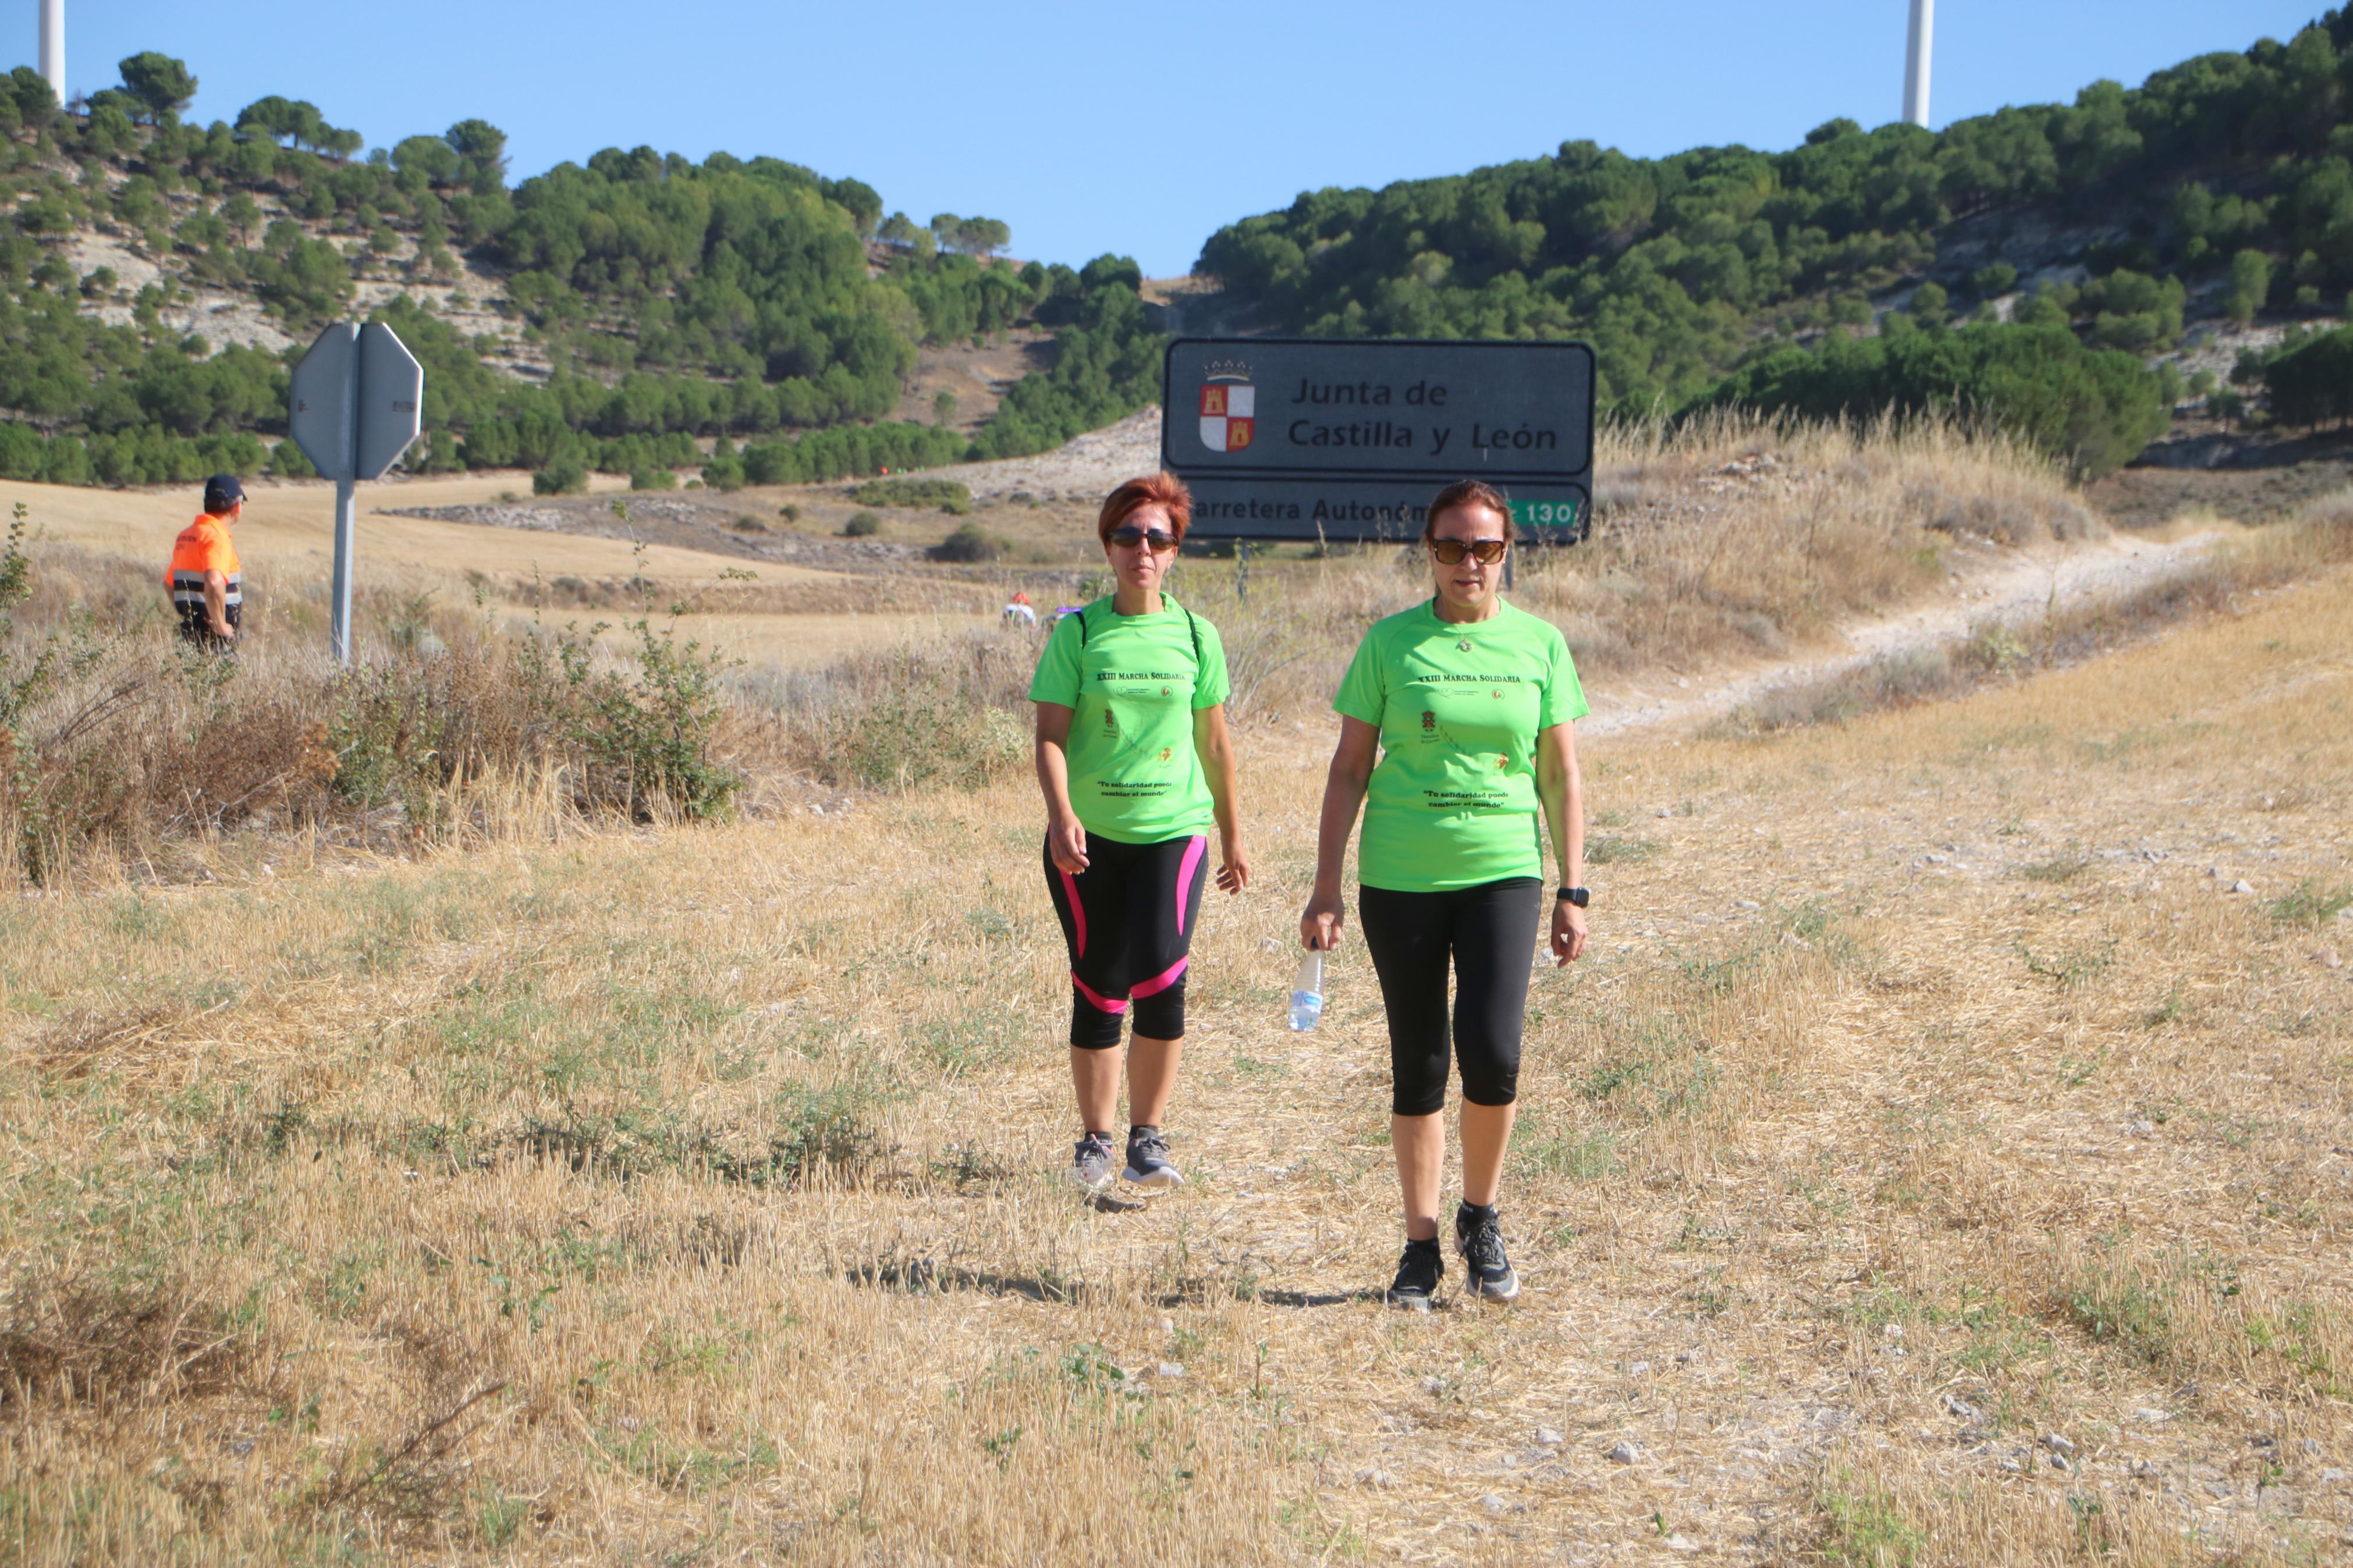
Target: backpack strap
pixel 1192 624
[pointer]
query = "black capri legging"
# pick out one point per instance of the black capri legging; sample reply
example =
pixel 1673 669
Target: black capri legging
pixel 1128 921
pixel 1489 933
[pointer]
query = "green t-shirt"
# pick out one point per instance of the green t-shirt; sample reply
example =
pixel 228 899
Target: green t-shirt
pixel 1453 798
pixel 1132 684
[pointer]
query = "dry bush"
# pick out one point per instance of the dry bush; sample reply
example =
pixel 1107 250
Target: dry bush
pixel 122 745
pixel 84 1337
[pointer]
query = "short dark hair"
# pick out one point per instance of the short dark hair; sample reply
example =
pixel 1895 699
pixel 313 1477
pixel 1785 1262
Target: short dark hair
pixel 1165 491
pixel 1467 492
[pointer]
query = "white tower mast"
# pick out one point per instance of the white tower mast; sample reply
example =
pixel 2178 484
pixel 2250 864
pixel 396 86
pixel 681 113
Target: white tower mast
pixel 53 46
pixel 1915 62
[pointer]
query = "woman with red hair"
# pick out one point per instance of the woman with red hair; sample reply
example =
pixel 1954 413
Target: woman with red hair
pixel 1135 763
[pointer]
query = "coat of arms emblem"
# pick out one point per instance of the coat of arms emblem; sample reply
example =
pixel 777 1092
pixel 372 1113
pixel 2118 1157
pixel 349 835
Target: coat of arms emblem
pixel 1228 407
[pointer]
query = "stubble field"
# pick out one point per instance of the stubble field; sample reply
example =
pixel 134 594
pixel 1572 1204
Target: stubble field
pixel 1933 1162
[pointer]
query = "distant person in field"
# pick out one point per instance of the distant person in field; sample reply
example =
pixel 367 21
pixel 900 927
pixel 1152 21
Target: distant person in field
pixel 1137 764
pixel 207 589
pixel 1018 611
pixel 1470 707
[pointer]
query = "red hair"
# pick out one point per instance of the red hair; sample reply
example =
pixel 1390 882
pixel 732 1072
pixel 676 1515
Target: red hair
pixel 1462 495
pixel 1165 491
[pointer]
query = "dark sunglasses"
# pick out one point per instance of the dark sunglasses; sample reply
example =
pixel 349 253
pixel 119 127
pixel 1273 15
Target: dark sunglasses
pixel 1451 552
pixel 1160 539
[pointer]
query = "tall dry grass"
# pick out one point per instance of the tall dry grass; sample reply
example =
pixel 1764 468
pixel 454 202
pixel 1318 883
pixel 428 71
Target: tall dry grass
pixel 1729 538
pixel 1725 537
pixel 2313 540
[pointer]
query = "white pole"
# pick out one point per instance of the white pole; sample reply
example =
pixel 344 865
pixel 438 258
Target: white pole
pixel 53 46
pixel 1916 61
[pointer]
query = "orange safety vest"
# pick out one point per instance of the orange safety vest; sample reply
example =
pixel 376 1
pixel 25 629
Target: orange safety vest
pixel 203 546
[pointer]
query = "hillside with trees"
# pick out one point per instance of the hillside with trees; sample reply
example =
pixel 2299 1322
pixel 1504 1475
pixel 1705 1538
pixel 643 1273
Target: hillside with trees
pixel 2219 190
pixel 622 315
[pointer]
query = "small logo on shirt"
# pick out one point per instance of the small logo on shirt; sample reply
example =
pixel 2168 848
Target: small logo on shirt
pixel 1164 691
pixel 1464 645
pixel 1110 722
pixel 1165 752
pixel 1429 721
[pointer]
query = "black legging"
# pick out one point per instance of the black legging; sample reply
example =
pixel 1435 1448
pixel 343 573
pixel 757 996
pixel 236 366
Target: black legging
pixel 1489 932
pixel 1128 921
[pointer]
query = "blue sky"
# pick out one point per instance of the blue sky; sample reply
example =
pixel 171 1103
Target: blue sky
pixel 1094 127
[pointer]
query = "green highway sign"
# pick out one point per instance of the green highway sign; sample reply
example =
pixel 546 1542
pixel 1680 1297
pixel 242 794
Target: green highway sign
pixel 1534 516
pixel 1346 439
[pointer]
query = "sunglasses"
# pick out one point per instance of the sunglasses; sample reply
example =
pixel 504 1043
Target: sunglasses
pixel 1160 539
pixel 1451 552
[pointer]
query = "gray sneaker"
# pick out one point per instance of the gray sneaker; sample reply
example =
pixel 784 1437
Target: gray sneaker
pixel 1481 1241
pixel 1147 1160
pixel 1090 1166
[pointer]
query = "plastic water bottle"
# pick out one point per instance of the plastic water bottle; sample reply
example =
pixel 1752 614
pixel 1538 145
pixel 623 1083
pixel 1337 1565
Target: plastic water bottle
pixel 1307 991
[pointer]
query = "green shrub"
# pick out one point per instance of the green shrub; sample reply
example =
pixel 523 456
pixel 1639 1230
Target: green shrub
pixel 861 525
pixel 648 735
pixel 2096 409
pixel 843 454
pixel 948 495
pixel 653 479
pixel 561 477
pixel 967 545
pixel 2311 903
pixel 1993 278
pixel 2310 380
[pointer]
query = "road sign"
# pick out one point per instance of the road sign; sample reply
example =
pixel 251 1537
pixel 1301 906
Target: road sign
pixel 358 397
pixel 321 419
pixel 1341 439
pixel 392 397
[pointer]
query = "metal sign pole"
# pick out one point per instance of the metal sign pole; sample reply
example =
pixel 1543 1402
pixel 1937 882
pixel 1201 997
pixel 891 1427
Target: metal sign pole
pixel 347 512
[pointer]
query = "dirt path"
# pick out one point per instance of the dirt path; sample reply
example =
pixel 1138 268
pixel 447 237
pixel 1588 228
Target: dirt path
pixel 2013 587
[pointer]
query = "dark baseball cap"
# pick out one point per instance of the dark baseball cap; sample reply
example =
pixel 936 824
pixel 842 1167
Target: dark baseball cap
pixel 221 492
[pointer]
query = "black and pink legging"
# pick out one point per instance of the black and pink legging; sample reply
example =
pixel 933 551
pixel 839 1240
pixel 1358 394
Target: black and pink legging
pixel 1128 921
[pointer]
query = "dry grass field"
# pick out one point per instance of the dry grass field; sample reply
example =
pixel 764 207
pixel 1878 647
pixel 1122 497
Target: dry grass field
pixel 1935 1160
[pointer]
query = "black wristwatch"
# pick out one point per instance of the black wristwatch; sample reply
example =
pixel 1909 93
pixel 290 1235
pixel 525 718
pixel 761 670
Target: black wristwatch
pixel 1581 896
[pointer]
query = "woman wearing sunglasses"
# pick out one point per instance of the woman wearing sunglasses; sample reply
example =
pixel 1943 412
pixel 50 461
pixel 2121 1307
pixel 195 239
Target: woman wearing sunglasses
pixel 1135 763
pixel 1471 706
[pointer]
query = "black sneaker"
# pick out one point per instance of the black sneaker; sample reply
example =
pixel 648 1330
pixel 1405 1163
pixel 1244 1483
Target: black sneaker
pixel 1480 1240
pixel 1091 1165
pixel 1419 1271
pixel 1147 1160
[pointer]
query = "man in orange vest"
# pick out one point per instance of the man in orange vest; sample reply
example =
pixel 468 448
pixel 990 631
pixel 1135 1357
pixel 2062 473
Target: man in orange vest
pixel 208 590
